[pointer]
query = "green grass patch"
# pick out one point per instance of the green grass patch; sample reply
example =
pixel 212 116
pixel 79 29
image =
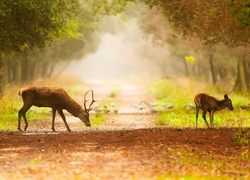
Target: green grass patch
pixel 98 119
pixel 180 94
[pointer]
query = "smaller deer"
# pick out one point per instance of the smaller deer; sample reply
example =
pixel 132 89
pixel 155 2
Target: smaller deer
pixel 209 104
pixel 57 99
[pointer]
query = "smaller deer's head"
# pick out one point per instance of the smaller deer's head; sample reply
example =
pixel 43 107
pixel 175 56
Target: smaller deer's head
pixel 228 102
pixel 84 113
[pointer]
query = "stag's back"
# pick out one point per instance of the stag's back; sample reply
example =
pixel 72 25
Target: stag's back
pixel 45 96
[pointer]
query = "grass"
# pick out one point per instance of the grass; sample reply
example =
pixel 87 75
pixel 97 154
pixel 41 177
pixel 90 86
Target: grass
pixel 98 119
pixel 180 94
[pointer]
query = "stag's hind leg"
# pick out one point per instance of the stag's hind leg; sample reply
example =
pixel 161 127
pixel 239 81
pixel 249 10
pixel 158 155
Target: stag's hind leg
pixel 22 112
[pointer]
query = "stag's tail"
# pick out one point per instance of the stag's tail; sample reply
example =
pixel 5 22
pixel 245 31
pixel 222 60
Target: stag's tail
pixel 20 92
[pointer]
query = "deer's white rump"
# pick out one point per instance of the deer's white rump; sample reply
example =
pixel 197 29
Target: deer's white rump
pixel 53 97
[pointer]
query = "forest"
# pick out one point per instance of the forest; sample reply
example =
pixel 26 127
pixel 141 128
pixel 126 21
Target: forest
pixel 211 37
pixel 144 61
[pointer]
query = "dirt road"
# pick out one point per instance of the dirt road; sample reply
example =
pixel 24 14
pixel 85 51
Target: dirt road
pixel 128 146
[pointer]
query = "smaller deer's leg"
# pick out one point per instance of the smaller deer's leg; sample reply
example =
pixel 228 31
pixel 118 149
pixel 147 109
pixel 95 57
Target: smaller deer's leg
pixel 64 119
pixel 53 119
pixel 197 114
pixel 204 117
pixel 212 119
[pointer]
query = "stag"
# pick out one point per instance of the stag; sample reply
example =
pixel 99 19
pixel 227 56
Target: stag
pixel 57 99
pixel 209 104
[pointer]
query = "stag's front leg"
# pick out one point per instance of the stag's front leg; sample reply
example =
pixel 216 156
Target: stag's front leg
pixel 204 117
pixel 64 119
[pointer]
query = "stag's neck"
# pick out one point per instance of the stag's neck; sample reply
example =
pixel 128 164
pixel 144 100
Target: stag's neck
pixel 73 107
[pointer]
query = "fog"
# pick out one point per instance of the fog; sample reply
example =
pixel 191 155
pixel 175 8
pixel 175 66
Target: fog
pixel 121 55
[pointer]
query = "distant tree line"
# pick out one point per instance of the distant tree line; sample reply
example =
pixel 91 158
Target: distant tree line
pixel 214 24
pixel 36 35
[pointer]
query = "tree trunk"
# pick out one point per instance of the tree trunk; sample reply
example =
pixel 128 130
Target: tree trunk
pixel 1 74
pixel 240 83
pixel 246 70
pixel 212 68
pixel 242 74
pixel 186 66
pixel 5 72
pixel 14 71
pixel 24 67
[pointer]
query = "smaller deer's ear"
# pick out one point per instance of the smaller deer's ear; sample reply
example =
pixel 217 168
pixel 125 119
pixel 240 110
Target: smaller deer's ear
pixel 226 96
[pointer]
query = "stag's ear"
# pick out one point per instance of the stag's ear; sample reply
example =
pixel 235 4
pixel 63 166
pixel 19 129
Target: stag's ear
pixel 226 96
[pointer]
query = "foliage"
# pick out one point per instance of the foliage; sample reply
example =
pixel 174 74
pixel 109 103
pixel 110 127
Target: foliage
pixel 218 61
pixel 243 138
pixel 190 59
pixel 213 22
pixel 26 24
pixel 241 12
pixel 75 39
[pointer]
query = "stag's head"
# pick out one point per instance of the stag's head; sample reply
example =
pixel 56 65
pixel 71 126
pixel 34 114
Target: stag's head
pixel 84 114
pixel 228 102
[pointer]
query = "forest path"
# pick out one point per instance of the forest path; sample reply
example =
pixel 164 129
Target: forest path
pixel 126 102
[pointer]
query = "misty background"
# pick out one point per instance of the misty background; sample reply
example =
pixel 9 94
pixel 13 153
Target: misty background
pixel 122 54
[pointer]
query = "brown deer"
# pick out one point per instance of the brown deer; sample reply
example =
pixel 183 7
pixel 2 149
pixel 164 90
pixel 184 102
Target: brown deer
pixel 209 104
pixel 57 99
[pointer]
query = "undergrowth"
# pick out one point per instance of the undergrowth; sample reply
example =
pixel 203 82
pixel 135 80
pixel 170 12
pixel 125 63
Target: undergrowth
pixel 179 96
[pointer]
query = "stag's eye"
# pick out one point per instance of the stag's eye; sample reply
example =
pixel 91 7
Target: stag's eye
pixel 86 114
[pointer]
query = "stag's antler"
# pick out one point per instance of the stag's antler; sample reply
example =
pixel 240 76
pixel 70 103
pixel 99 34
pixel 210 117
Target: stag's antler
pixel 92 102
